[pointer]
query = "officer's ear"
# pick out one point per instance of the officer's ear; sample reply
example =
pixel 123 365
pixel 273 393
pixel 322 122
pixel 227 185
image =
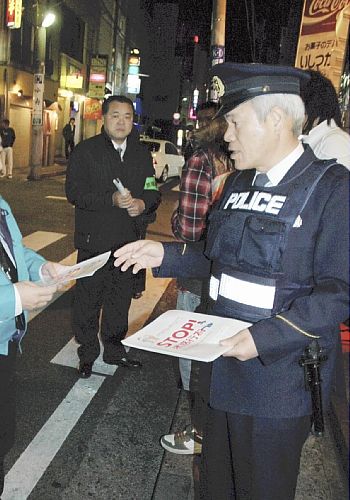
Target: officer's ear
pixel 277 117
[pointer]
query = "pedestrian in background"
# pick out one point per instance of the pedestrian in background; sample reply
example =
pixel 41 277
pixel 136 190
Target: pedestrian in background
pixel 105 220
pixel 68 135
pixel 20 268
pixel 202 180
pixel 8 138
pixel 322 129
pixel 277 256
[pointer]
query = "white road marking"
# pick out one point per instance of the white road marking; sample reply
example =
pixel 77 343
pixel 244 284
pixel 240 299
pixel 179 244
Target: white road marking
pixel 61 198
pixel 41 239
pixel 33 462
pixel 68 357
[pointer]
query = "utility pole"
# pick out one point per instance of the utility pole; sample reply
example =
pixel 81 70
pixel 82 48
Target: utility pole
pixel 217 45
pixel 218 19
pixel 38 97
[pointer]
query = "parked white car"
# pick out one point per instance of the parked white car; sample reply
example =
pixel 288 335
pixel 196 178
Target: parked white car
pixel 167 161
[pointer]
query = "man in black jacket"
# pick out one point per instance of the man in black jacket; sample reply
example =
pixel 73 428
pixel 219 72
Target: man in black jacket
pixel 68 133
pixel 105 220
pixel 7 141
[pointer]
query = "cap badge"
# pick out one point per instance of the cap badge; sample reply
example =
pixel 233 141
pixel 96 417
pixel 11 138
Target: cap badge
pixel 266 88
pixel 218 86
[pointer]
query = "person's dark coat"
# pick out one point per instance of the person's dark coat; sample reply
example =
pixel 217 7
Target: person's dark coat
pixel 94 163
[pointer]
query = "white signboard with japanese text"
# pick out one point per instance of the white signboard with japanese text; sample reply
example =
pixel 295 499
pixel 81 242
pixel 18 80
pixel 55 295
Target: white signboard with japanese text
pixel 322 39
pixel 38 99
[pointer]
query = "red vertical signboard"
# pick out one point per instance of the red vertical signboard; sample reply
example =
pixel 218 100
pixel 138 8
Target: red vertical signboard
pixel 14 13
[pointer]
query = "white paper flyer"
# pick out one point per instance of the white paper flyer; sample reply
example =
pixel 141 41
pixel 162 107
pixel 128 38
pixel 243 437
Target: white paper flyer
pixel 81 270
pixel 186 335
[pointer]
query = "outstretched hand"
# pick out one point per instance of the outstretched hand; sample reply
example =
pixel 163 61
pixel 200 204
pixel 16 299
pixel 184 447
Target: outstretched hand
pixel 140 254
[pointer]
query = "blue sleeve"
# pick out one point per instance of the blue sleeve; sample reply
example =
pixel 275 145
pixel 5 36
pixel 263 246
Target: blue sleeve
pixel 184 261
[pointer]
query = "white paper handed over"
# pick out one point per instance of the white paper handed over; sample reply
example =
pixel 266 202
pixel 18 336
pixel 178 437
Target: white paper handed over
pixel 186 335
pixel 81 270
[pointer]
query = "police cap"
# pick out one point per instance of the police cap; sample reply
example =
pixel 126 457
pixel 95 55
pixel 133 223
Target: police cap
pixel 236 83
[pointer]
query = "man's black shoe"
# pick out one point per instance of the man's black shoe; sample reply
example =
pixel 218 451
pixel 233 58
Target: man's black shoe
pixel 85 369
pixel 123 362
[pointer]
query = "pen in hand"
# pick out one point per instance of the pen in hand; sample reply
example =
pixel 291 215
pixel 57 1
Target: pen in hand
pixel 118 184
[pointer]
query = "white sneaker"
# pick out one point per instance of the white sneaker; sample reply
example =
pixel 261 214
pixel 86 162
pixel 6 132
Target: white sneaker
pixel 186 442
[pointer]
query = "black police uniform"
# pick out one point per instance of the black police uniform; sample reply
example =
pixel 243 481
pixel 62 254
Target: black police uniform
pixel 287 246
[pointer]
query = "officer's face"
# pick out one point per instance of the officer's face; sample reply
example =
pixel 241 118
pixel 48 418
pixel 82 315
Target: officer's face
pixel 117 121
pixel 250 142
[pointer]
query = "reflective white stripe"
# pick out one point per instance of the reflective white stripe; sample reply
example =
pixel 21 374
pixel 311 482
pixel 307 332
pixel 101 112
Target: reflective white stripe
pixel 214 288
pixel 243 292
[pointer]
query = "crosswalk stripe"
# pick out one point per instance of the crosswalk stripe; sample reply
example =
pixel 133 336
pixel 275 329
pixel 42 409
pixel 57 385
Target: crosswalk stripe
pixel 33 462
pixel 41 239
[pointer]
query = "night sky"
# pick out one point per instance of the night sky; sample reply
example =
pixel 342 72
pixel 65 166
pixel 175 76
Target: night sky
pixel 197 16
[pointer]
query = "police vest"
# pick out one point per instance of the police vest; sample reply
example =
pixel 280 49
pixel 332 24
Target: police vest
pixel 248 234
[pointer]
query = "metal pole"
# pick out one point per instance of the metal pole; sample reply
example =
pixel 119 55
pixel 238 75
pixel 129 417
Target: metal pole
pixel 38 97
pixel 217 46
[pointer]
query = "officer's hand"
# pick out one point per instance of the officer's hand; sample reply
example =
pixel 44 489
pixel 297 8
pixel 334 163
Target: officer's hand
pixel 137 207
pixel 140 254
pixel 122 200
pixel 34 296
pixel 51 271
pixel 242 346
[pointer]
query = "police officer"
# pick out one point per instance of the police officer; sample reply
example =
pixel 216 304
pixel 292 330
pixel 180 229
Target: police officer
pixel 277 254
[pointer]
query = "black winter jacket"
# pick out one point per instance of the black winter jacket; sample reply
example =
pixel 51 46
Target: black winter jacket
pixel 93 164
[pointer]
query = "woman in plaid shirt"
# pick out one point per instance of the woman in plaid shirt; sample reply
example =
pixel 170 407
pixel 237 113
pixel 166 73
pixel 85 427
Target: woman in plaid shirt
pixel 202 181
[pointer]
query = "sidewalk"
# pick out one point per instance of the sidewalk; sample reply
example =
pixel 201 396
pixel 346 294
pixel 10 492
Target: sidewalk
pixel 57 168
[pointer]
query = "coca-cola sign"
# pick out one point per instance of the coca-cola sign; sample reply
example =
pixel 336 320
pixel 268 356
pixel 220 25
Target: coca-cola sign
pixel 321 8
pixel 320 16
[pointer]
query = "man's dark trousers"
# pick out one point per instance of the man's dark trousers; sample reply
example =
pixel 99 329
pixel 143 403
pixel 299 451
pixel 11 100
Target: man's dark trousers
pixel 234 463
pixel 68 146
pixel 108 287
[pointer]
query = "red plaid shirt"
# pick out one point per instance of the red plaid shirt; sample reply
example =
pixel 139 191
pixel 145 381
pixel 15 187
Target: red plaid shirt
pixel 196 192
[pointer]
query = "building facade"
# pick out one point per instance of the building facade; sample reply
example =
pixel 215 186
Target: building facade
pixel 85 56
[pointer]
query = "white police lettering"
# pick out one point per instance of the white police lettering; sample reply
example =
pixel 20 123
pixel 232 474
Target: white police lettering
pixel 258 201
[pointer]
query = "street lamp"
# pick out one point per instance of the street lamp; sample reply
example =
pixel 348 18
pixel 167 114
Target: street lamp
pixel 42 22
pixel 48 20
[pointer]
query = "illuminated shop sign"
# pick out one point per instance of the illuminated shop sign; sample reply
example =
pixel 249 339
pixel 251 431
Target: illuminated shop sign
pixel 14 13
